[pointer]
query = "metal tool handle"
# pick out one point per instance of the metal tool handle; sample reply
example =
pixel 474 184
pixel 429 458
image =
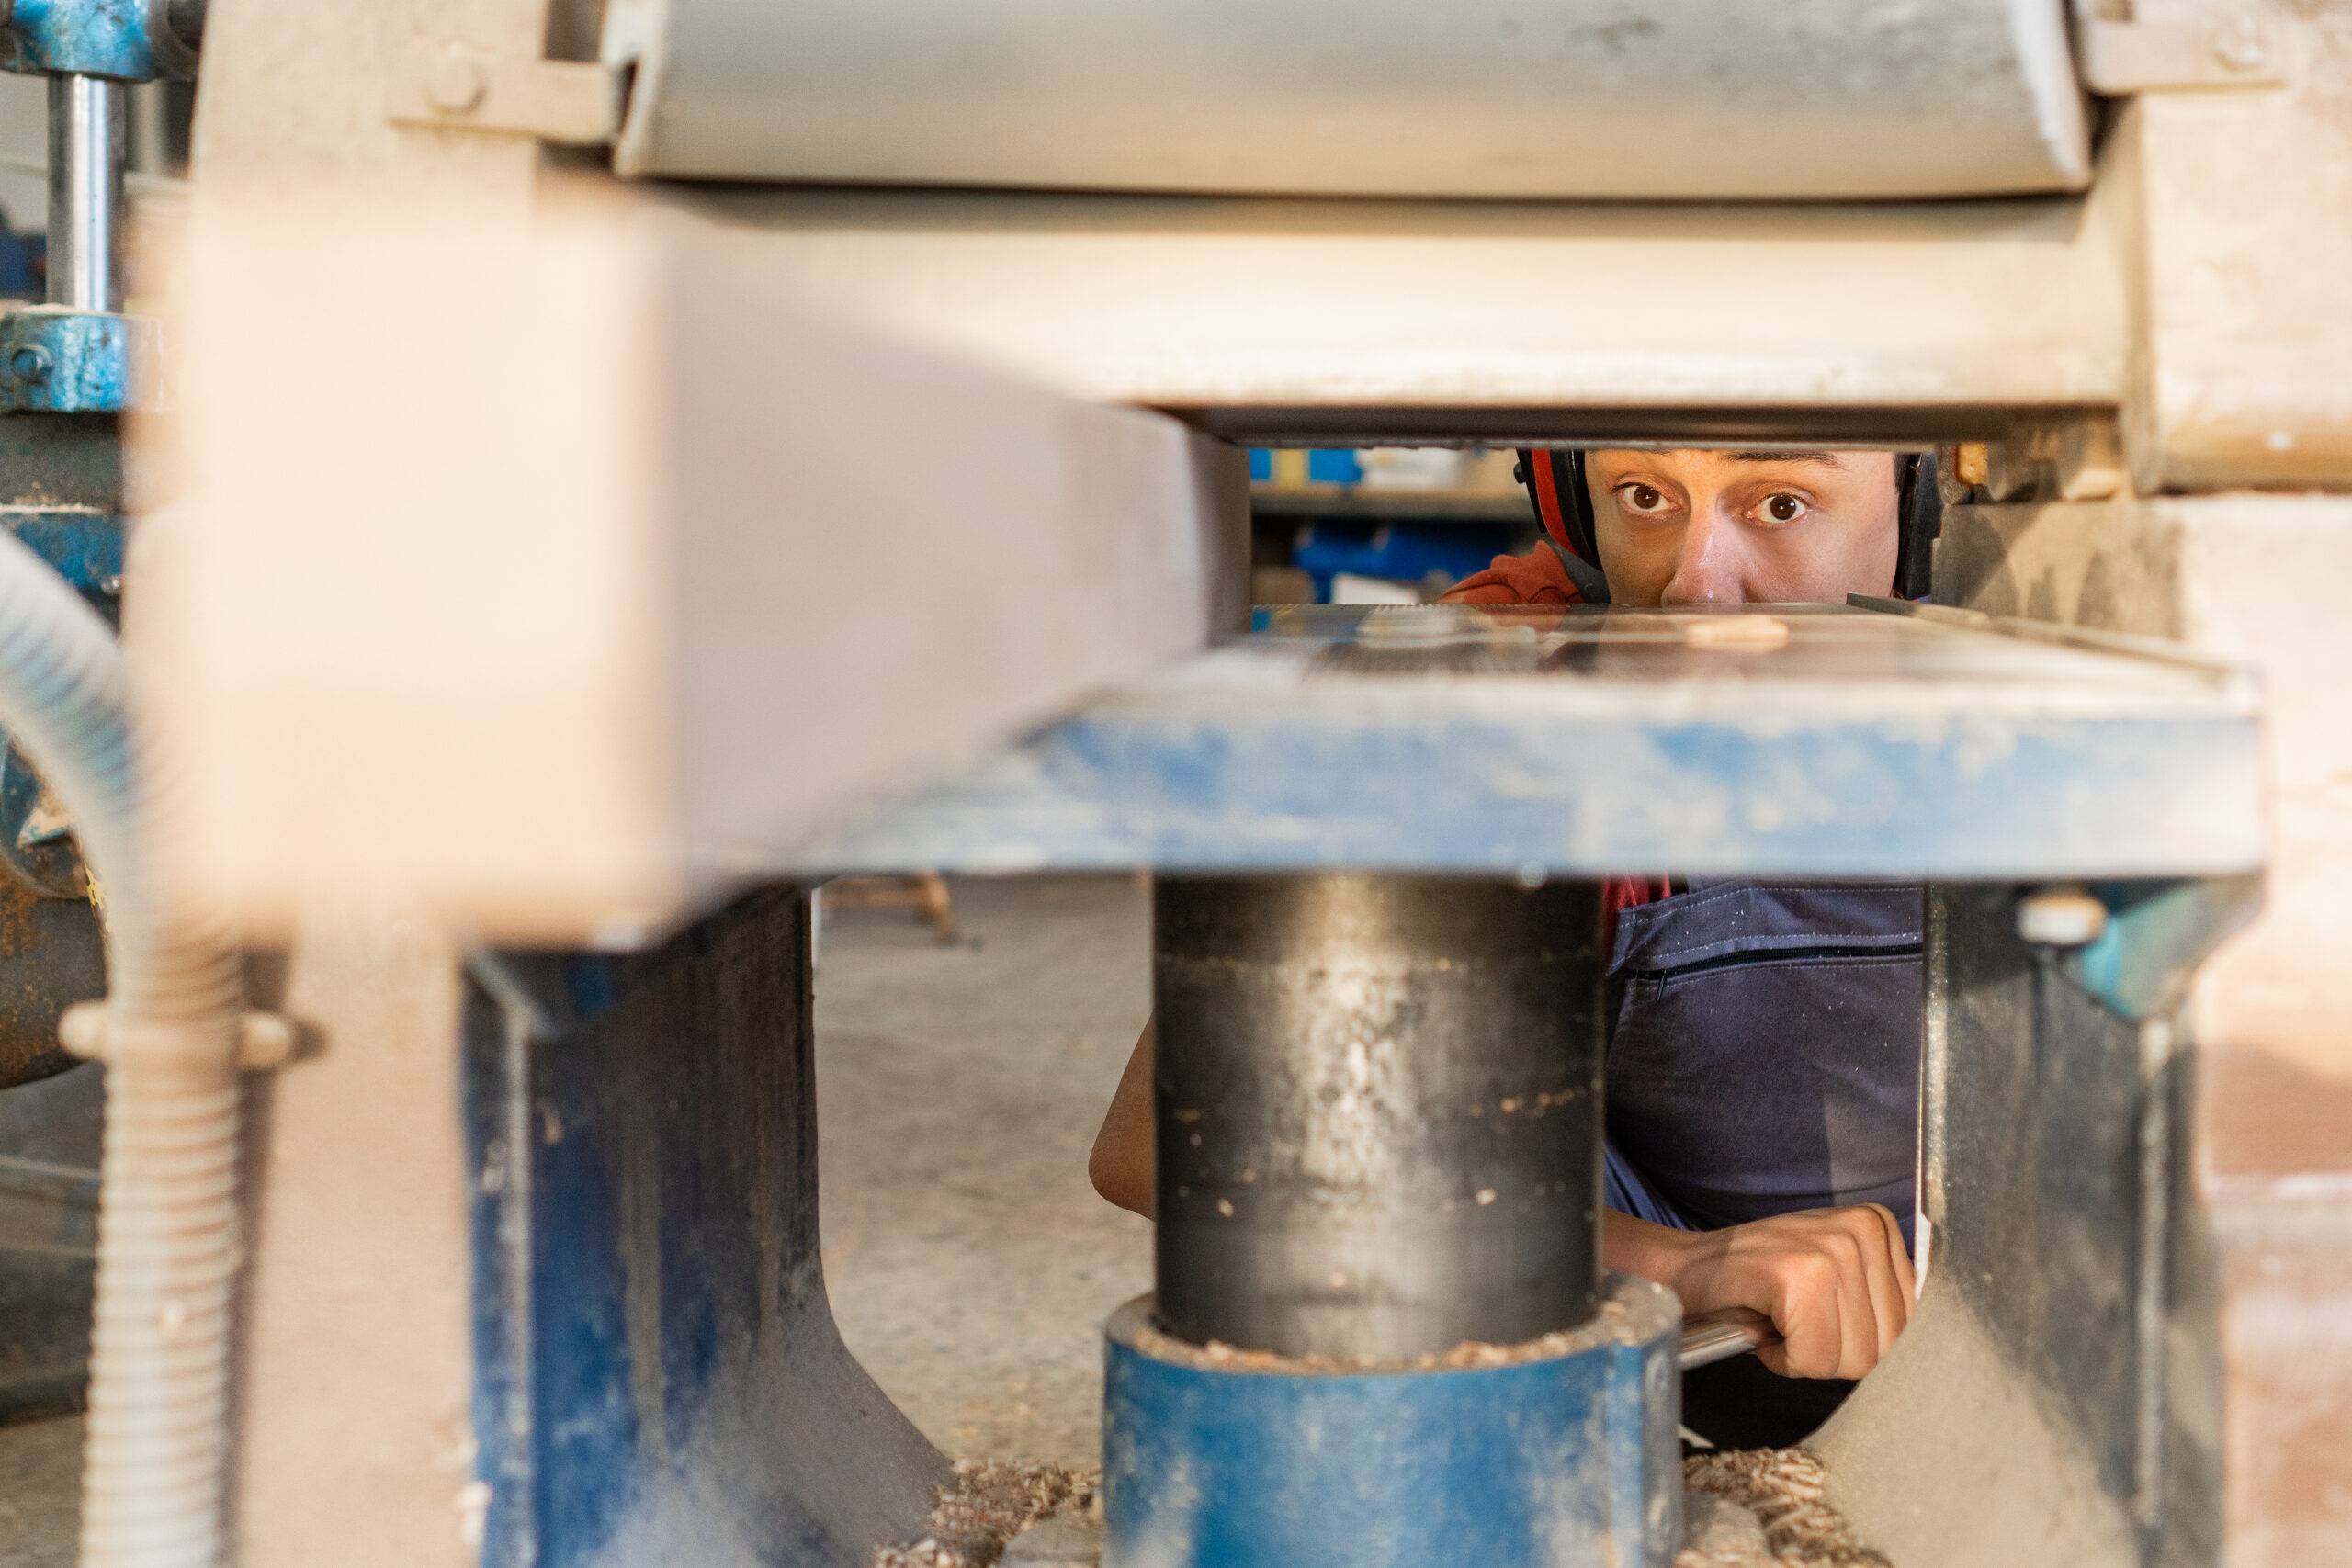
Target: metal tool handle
pixel 1719 1336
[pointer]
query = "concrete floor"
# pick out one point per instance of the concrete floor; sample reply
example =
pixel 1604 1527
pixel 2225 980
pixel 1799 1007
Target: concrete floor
pixel 958 1089
pixel 40 1472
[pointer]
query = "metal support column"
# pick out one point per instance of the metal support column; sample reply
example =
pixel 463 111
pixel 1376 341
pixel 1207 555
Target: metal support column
pixel 85 165
pixel 1379 1111
pixel 1381 1335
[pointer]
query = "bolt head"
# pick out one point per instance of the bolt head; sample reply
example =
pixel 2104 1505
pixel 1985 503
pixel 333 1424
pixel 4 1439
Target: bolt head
pixel 2240 48
pixel 29 362
pixel 455 84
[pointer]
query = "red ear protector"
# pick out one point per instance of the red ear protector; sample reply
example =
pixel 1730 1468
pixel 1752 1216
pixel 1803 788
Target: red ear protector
pixel 1554 482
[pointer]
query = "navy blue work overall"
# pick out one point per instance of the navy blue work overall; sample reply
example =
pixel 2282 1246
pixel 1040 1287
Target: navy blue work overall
pixel 1763 1057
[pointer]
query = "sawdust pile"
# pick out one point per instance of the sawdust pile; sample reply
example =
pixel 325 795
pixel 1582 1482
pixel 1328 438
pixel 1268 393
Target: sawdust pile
pixel 1783 1488
pixel 1610 1323
pixel 986 1505
pixel 1750 1508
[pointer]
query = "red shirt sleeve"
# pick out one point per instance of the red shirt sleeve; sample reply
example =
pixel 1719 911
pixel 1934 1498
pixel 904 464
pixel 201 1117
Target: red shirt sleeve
pixel 1535 578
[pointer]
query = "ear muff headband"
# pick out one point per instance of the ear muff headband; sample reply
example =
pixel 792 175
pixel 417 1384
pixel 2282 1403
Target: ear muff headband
pixel 1555 483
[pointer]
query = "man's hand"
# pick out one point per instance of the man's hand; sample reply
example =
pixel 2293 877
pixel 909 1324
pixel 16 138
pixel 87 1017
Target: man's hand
pixel 1835 1282
pixel 1121 1163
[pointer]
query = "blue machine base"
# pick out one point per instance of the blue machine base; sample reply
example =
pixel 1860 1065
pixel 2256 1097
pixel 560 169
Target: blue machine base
pixel 1573 1458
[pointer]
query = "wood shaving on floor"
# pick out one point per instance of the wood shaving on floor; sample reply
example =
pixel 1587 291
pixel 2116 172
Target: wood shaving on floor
pixel 1785 1490
pixel 986 1505
pixel 1745 1509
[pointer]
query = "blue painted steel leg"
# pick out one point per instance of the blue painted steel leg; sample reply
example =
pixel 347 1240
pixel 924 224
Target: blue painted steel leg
pixel 657 1375
pixel 1568 1458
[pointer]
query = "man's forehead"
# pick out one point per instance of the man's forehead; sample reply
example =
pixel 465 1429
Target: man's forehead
pixel 1800 456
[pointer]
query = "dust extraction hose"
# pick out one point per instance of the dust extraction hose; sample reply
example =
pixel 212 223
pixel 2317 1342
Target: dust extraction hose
pixel 168 1245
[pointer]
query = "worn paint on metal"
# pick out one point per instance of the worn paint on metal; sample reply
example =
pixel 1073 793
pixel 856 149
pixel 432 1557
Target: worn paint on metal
pixel 54 360
pixel 1566 1457
pixel 1586 742
pixel 91 38
pixel 83 545
pixel 657 1373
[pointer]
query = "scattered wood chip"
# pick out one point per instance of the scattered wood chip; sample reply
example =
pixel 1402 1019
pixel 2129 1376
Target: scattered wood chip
pixel 986 1504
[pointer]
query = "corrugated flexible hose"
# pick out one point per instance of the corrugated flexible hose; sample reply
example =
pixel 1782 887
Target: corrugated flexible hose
pixel 169 1032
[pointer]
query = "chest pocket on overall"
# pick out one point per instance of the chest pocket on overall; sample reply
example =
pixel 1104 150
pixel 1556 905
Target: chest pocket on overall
pixel 1764 1054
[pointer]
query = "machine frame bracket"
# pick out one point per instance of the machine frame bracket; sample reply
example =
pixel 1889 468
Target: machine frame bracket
pixel 575 103
pixel 2225 53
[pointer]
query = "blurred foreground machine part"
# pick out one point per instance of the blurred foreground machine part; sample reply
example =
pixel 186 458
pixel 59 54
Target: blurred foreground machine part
pixel 70 365
pixel 524 592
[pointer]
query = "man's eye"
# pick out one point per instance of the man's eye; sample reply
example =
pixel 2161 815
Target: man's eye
pixel 1642 498
pixel 1784 508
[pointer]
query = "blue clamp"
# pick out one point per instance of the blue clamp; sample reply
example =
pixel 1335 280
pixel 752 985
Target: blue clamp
pixel 130 40
pixel 61 361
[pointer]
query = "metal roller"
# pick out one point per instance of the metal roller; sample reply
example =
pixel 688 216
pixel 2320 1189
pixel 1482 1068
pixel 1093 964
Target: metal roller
pixel 1378 1112
pixel 1513 98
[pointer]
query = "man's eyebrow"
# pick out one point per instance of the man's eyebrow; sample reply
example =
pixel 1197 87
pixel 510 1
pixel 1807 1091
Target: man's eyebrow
pixel 1826 459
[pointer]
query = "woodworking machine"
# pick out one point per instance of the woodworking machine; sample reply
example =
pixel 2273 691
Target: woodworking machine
pixel 546 378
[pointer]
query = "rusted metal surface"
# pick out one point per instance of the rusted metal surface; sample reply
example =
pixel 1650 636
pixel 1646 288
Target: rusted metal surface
pixel 50 957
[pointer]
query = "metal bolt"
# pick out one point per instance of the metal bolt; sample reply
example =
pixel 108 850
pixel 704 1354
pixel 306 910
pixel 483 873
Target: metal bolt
pixel 2061 917
pixel 2240 48
pixel 455 84
pixel 29 362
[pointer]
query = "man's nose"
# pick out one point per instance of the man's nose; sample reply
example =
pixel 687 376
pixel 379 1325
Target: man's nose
pixel 1706 571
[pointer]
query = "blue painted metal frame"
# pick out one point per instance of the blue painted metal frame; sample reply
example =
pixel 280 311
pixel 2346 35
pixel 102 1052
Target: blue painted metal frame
pixel 1568 1458
pixel 83 545
pixel 59 361
pixel 657 1375
pixel 1584 743
pixel 92 37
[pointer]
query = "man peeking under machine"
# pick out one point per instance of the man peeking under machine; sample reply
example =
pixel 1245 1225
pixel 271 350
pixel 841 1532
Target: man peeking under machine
pixel 1762 1057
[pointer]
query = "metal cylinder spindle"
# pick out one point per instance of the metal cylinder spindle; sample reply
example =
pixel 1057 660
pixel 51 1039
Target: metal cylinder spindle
pixel 85 162
pixel 1378 1112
